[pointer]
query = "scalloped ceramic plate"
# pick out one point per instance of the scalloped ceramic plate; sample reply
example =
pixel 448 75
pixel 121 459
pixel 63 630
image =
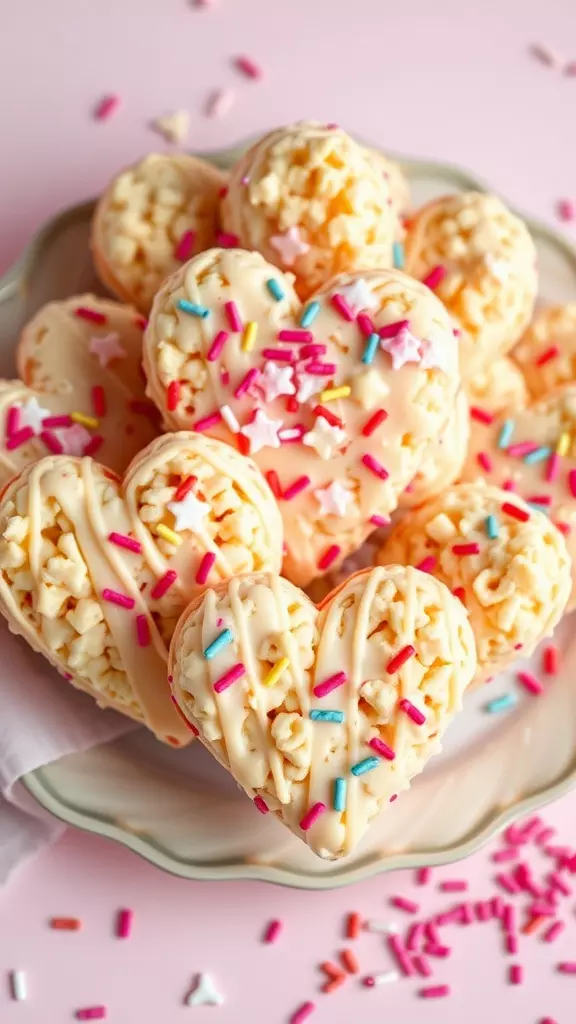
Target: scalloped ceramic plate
pixel 181 811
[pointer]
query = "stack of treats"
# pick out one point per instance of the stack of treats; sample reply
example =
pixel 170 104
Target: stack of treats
pixel 297 363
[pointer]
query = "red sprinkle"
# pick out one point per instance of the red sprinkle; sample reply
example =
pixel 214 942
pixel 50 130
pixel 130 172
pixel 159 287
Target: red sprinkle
pixel 123 541
pixel 353 925
pixel 517 513
pixel 106 107
pixel 334 983
pixel 329 556
pixel 217 346
pixel 163 584
pixel 434 278
pixel 205 567
pixel 124 924
pixel 13 419
pixel 551 659
pixel 400 659
pixel 234 318
pixel 485 462
pixel 546 356
pixel 329 684
pixel 382 748
pixel 417 717
pixel 142 631
pixel 19 438
pixel 330 417
pixel 98 400
pixel 572 482
pixel 57 421
pixel 92 447
pixel 466 549
pixel 173 395
pixel 226 240
pixel 422 966
pixel 529 682
pixel 427 564
pixel 51 442
pixel 553 467
pixel 260 805
pixel 391 330
pixel 481 415
pixel 370 426
pixel 365 324
pixel 274 483
pixel 350 961
pixel 272 931
pixel 184 488
pixel 302 1013
pixel 185 246
pixel 401 955
pixel 65 924
pixel 342 307
pixel 299 485
pixel 90 314
pixel 248 67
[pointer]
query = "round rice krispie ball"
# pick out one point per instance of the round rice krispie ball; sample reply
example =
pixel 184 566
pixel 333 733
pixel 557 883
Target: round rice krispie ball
pixel 546 354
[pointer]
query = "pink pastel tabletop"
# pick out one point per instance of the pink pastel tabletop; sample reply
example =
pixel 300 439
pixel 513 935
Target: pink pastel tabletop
pixel 446 80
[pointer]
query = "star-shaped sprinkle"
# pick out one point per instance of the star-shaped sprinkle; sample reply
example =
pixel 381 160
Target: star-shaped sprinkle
pixel 359 296
pixel 434 356
pixel 324 437
pixel 289 246
pixel 174 127
pixel 107 347
pixel 333 499
pixel 204 993
pixel 189 513
pixel 73 439
pixel 308 385
pixel 32 414
pixel 403 347
pixel 369 388
pixel 262 432
pixel 276 380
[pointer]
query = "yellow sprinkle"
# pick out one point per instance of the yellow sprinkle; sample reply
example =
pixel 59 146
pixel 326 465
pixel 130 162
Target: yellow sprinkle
pixel 563 444
pixel 250 332
pixel 168 534
pixel 332 393
pixel 275 673
pixel 86 421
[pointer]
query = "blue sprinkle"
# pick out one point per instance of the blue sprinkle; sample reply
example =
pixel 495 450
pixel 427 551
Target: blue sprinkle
pixel 193 308
pixel 506 433
pixel 507 700
pixel 492 527
pixel 310 314
pixel 274 289
pixel 327 716
pixel 365 766
pixel 538 455
pixel 223 638
pixel 340 786
pixel 371 348
pixel 398 255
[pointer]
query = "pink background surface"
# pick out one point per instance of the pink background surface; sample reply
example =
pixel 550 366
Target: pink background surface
pixel 423 79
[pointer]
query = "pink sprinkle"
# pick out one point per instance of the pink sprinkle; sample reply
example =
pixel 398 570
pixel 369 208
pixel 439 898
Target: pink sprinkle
pixel 248 381
pixel 98 401
pixel 511 944
pixel 415 936
pixel 427 564
pixel 391 330
pixel 279 355
pixel 106 107
pixel 365 324
pixel 485 462
pixel 295 335
pixel 539 499
pixel 272 931
pixel 92 1013
pixel 226 240
pixel 436 275
pixel 302 1013
pixel 163 584
pixel 311 351
pixel 553 931
pixel 441 952
pixel 529 682
pixel 466 913
pixel 328 557
pixel 142 631
pixel 398 950
pixel 234 318
pixel 423 876
pixel 482 910
pixel 342 307
pixel 516 974
pixel 481 415
pixel 552 467
pixel 422 966
pixel 90 314
pixel 219 102
pixel 521 449
pixel 248 67
pixel 507 883
pixel 501 856
pixel 417 717
pixel 509 485
pixel 93 445
pixel 545 834
pixel 379 520
pixel 51 442
pixel 546 356
pixel 185 247
pixel 557 882
pixel 403 904
pixel 568 967
pixel 122 541
pixel 382 748
pixel 114 597
pixel 453 885
pixel 374 466
pixel 124 924
pixel 566 209
pixel 326 687
pixel 321 369
pixel 509 918
pixel 205 567
pixel 312 816
pixel 260 805
pixel 572 482
pixel 551 660
pixel 432 933
pixel 13 420
pixel 497 906
pixel 217 346
pixel 299 485
pixel 19 438
pixel 472 548
pixel 229 677
pixel 207 421
pixel 435 992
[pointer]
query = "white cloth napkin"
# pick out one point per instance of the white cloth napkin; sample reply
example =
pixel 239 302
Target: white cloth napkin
pixel 42 718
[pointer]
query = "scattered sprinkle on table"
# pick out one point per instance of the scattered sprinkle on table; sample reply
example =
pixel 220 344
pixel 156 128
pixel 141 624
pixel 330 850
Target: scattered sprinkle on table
pixel 272 932
pixel 18 986
pixel 124 923
pixel 107 107
pixel 302 1013
pixel 220 102
pixel 65 924
pixel 92 1013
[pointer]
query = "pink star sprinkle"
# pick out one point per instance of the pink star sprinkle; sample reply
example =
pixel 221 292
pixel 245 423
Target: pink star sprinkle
pixel 74 439
pixel 275 381
pixel 289 246
pixel 434 356
pixel 107 348
pixel 403 347
pixel 262 432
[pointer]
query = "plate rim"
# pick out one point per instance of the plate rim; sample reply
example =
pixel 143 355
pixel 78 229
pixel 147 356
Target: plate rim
pixel 38 786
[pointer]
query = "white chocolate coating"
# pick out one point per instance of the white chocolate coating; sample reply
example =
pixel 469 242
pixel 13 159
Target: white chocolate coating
pixel 143 216
pixel 552 333
pixel 416 398
pixel 318 180
pixel 263 734
pixel 444 460
pixel 398 184
pixel 491 280
pixel 516 586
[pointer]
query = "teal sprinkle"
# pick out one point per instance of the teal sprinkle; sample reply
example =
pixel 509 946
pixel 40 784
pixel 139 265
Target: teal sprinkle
pixel 506 433
pixel 340 786
pixel 398 255
pixel 507 700
pixel 327 716
pixel 310 314
pixel 538 455
pixel 492 527
pixel 223 638
pixel 371 348
pixel 193 308
pixel 274 289
pixel 365 766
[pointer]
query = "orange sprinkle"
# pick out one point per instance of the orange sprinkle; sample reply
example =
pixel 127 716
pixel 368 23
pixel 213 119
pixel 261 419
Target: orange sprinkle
pixel 65 924
pixel 334 983
pixel 331 969
pixel 353 925
pixel 532 925
pixel 349 961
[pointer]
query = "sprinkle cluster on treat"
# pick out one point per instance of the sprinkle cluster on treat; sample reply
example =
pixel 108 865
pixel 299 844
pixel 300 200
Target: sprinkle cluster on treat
pixel 546 353
pixel 325 748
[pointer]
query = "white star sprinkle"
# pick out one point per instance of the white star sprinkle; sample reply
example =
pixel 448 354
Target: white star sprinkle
pixel 189 512
pixel 204 993
pixel 289 246
pixel 358 295
pixel 324 437
pixel 333 499
pixel 73 439
pixel 434 356
pixel 403 347
pixel 32 414
pixel 262 432
pixel 309 385
pixel 107 348
pixel 276 380
pixel 369 388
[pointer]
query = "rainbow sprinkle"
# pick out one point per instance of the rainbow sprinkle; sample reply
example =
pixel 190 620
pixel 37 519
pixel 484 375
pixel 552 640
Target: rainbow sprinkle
pixel 204 568
pixel 505 435
pixel 312 816
pixel 507 700
pixel 222 640
pixel 122 541
pixel 114 597
pixel 309 314
pixel 229 677
pixel 331 394
pixel 317 715
pixel 538 455
pixel 492 528
pixel 85 421
pixel 371 349
pixel 326 687
pixel 274 288
pixel 374 466
pixel 193 308
pixel 167 534
pixel 234 318
pixel 249 336
pixel 142 631
pixel 400 659
pixel 339 800
pixel 276 671
pixel 163 584
pixel 398 255
pixel 414 713
pixel 365 766
pixel 217 346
